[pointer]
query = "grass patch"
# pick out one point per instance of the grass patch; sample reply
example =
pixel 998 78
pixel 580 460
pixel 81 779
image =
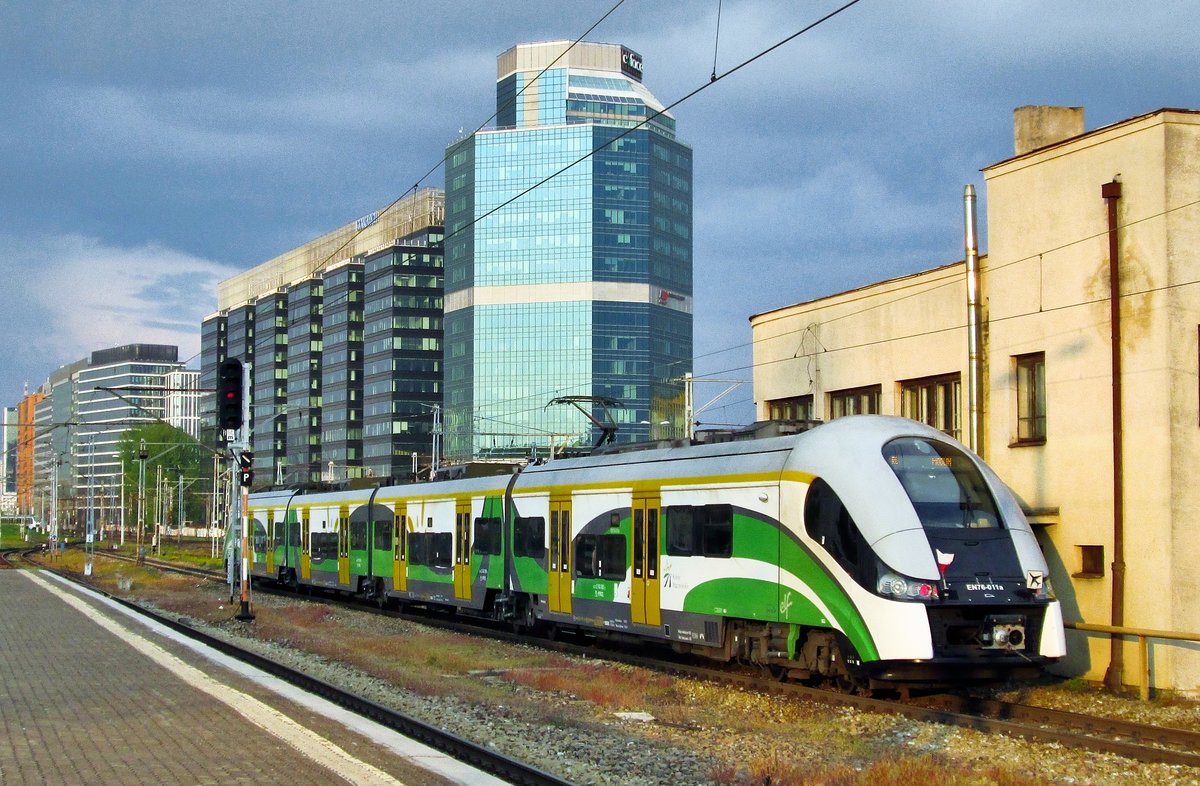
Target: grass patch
pixel 12 536
pixel 608 686
pixel 775 770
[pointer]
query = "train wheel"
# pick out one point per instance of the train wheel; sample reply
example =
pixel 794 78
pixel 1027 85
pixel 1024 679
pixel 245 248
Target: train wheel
pixel 844 683
pixel 526 621
pixel 381 598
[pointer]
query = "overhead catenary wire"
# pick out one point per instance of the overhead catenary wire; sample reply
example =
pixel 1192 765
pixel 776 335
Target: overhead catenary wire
pixel 716 42
pixel 713 79
pixel 950 280
pixel 416 185
pixel 651 117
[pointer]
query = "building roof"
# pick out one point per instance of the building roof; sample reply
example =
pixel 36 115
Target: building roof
pixel 864 288
pixel 1102 130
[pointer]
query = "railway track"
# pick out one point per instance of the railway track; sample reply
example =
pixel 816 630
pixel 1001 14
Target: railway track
pixel 1137 741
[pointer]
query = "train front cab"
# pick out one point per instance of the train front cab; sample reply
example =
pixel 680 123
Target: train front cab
pixel 943 568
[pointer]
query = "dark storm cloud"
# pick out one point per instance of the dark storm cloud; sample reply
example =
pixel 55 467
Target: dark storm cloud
pixel 212 136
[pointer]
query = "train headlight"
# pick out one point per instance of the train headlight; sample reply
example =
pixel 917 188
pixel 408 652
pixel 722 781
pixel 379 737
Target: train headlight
pixel 892 585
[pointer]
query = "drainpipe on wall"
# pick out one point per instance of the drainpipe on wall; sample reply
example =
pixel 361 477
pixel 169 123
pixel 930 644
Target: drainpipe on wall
pixel 1111 192
pixel 974 437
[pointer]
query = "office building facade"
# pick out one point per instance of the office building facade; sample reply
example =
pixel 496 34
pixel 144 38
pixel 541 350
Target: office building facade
pixel 402 360
pixel 300 321
pixel 269 386
pixel 568 257
pixel 304 353
pixel 341 370
pixel 68 461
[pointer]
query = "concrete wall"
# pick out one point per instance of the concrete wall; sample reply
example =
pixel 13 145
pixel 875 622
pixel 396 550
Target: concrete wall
pixel 901 329
pixel 1047 290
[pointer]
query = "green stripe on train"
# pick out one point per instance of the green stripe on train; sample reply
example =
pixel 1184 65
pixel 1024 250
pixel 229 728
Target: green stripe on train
pixel 766 540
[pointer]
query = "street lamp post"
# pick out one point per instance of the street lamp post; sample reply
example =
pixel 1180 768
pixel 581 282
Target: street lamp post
pixel 159 509
pixel 141 506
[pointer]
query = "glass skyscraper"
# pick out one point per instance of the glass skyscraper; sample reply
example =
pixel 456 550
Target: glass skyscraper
pixel 568 257
pixel 305 349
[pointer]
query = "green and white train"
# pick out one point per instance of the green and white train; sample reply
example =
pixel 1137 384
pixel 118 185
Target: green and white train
pixel 870 550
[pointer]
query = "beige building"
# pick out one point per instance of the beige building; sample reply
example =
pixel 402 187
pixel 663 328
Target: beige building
pixel 1046 412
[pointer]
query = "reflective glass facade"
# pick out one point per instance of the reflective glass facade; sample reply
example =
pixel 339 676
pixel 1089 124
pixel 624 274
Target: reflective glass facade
pixel 568 263
pixel 213 349
pixel 102 418
pixel 304 349
pixel 402 354
pixel 341 369
pixel 269 384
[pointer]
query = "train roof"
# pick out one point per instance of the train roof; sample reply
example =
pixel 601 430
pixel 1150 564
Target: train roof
pixel 851 437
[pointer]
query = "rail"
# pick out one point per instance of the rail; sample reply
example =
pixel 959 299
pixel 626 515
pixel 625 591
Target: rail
pixel 1143 636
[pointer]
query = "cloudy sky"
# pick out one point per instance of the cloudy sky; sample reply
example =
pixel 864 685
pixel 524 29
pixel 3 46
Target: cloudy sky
pixel 149 150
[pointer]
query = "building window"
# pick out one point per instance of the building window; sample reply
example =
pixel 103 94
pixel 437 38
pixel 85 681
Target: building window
pixel 1031 398
pixel 854 401
pixel 794 408
pixel 933 400
pixel 1091 562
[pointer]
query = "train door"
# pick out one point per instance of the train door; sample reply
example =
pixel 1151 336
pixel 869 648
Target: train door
pixel 400 526
pixel 559 562
pixel 644 597
pixel 291 536
pixel 462 549
pixel 271 541
pixel 305 545
pixel 343 541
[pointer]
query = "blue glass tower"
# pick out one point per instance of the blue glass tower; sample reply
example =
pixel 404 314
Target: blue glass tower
pixel 568 257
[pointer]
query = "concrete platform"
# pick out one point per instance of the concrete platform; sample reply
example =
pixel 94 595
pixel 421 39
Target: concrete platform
pixel 89 694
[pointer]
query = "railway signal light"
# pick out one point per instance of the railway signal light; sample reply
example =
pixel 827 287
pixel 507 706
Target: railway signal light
pixel 229 394
pixel 245 460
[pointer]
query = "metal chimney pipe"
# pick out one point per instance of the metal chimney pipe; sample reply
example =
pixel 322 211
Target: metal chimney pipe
pixel 974 436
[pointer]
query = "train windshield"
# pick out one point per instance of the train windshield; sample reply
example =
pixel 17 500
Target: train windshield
pixel 946 488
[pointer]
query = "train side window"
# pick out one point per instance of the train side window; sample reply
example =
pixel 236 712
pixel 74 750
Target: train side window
pixel 324 546
pixel 829 523
pixel 680 531
pixel 529 537
pixel 611 556
pixel 441 549
pixel 585 557
pixel 601 556
pixel 383 530
pixel 418 548
pixel 700 531
pixel 487 536
pixel 358 534
pixel 293 534
pixel 718 531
